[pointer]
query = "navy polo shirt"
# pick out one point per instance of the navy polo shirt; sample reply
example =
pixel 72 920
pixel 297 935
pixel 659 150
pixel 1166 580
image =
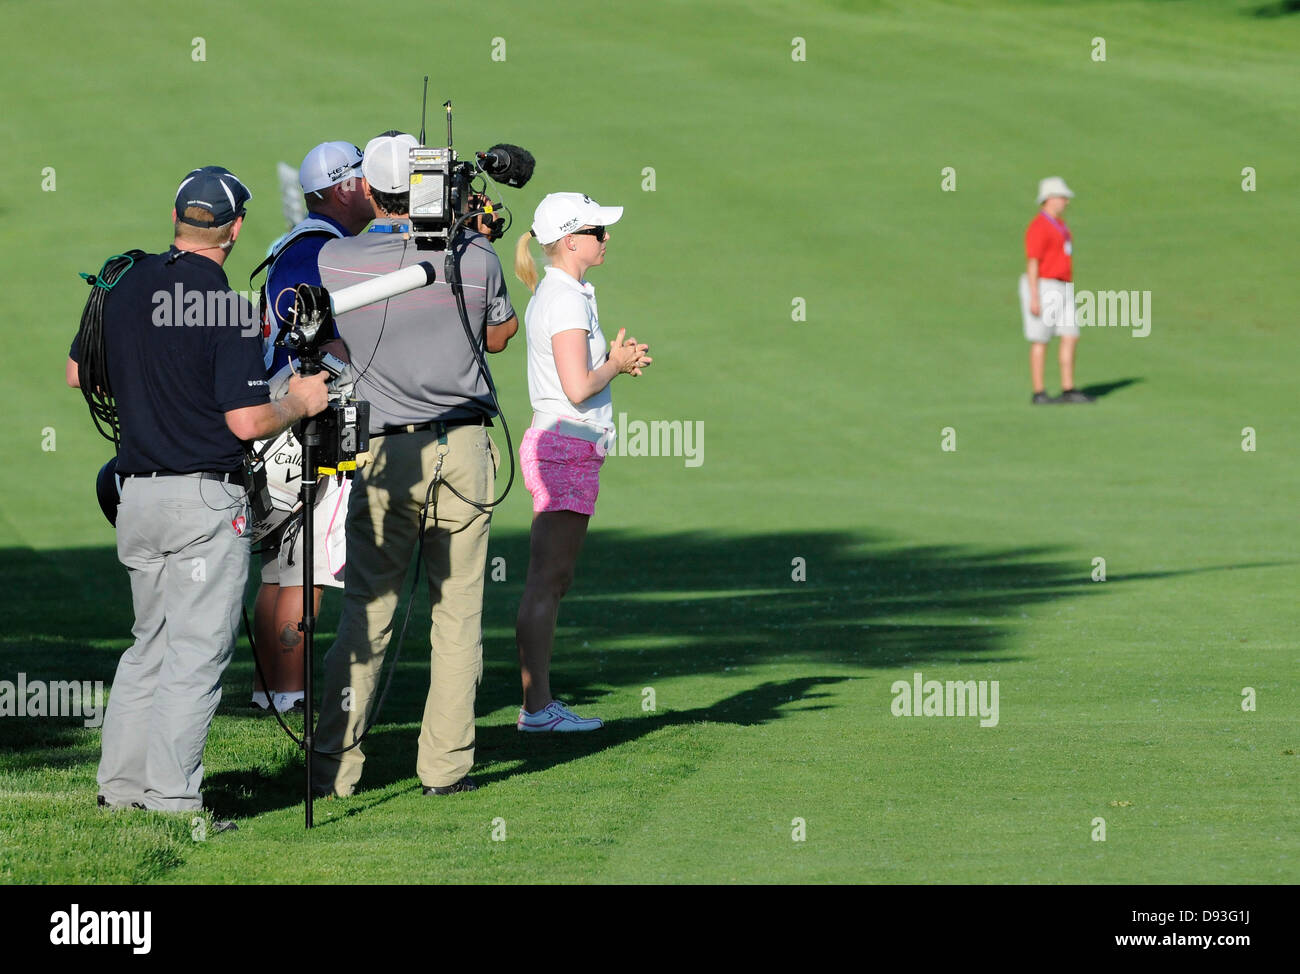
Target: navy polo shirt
pixel 297 265
pixel 182 349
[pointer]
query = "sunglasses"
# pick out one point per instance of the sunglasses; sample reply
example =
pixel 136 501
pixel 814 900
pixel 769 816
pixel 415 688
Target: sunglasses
pixel 598 232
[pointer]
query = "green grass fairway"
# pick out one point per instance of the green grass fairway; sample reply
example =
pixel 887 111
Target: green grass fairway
pixel 766 600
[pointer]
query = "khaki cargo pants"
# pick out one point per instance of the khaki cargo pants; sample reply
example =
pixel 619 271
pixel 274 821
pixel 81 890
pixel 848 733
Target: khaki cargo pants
pixel 383 527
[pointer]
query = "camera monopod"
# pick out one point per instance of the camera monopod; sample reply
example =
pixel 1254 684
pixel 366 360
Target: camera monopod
pixel 333 440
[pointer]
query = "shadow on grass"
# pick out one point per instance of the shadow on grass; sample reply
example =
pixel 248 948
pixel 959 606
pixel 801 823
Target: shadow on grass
pixel 643 608
pixel 1279 9
pixel 1099 389
pixel 501 750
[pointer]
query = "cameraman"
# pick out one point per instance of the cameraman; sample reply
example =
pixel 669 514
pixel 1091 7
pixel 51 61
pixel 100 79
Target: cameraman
pixel 337 206
pixel 185 399
pixel 429 409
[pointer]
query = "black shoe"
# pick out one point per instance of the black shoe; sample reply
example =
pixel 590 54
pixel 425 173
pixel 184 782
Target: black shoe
pixel 465 784
pixel 103 802
pixel 219 827
pixel 1074 395
pixel 1042 399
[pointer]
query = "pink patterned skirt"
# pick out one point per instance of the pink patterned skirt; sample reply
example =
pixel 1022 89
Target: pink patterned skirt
pixel 561 472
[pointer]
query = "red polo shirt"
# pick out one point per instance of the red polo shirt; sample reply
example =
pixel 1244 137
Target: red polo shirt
pixel 1049 242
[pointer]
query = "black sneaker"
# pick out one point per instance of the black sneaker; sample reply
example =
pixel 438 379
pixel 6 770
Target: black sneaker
pixel 1042 399
pixel 227 826
pixel 103 802
pixel 1074 395
pixel 465 784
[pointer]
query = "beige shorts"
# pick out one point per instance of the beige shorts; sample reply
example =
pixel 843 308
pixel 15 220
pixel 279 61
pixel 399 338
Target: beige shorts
pixel 284 566
pixel 1056 304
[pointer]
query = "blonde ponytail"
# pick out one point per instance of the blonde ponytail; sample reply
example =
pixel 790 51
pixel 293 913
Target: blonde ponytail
pixel 525 268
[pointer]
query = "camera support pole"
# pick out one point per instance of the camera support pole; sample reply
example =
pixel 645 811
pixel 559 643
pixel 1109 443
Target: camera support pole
pixel 310 437
pixel 313 305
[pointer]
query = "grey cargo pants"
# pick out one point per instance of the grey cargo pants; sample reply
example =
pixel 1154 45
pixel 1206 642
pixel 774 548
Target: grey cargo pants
pixel 185 544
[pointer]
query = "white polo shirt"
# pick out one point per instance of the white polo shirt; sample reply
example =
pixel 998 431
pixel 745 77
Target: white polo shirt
pixel 562 303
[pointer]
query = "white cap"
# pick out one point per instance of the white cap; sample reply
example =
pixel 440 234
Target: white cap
pixel 1053 186
pixel 387 163
pixel 562 213
pixel 329 164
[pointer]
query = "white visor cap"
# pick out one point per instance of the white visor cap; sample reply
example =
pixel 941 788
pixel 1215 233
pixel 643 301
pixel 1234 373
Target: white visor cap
pixel 562 213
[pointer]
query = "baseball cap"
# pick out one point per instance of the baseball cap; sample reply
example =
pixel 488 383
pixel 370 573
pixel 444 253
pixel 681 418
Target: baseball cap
pixel 561 213
pixel 386 163
pixel 1053 186
pixel 215 189
pixel 329 164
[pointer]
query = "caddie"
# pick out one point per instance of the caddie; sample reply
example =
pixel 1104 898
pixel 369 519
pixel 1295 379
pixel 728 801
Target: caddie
pixel 337 207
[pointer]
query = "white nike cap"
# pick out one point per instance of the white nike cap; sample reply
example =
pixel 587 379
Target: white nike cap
pixel 387 163
pixel 329 164
pixel 1053 186
pixel 561 213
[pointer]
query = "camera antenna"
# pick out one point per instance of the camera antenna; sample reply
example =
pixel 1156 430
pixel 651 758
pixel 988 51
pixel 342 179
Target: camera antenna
pixel 424 101
pixel 447 106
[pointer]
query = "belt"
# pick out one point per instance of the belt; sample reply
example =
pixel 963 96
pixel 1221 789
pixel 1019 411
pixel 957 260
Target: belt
pixel 565 426
pixel 231 477
pixel 439 426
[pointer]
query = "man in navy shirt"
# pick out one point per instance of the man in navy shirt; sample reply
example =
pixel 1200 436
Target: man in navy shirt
pixel 331 181
pixel 181 360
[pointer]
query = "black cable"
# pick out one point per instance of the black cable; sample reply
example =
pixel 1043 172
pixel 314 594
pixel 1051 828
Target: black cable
pixel 383 695
pixel 383 323
pixel 266 684
pixel 451 273
pixel 92 351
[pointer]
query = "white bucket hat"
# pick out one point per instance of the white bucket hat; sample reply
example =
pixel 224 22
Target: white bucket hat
pixel 1053 186
pixel 561 213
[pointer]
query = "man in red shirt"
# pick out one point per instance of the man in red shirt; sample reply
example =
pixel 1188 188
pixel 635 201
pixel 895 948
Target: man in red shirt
pixel 1047 291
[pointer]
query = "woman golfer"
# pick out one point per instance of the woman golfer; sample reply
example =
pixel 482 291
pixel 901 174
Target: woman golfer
pixel 569 373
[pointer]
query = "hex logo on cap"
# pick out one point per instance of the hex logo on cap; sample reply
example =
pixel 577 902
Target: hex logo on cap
pixel 561 213
pixel 329 164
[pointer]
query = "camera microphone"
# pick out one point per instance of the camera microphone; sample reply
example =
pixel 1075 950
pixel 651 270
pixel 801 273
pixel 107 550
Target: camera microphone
pixel 509 164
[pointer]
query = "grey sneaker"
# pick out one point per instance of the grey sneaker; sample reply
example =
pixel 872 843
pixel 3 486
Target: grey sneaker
pixel 1042 399
pixel 1074 395
pixel 556 717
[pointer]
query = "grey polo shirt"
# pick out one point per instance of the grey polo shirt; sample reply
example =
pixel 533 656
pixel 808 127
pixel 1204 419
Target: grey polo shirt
pixel 412 360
